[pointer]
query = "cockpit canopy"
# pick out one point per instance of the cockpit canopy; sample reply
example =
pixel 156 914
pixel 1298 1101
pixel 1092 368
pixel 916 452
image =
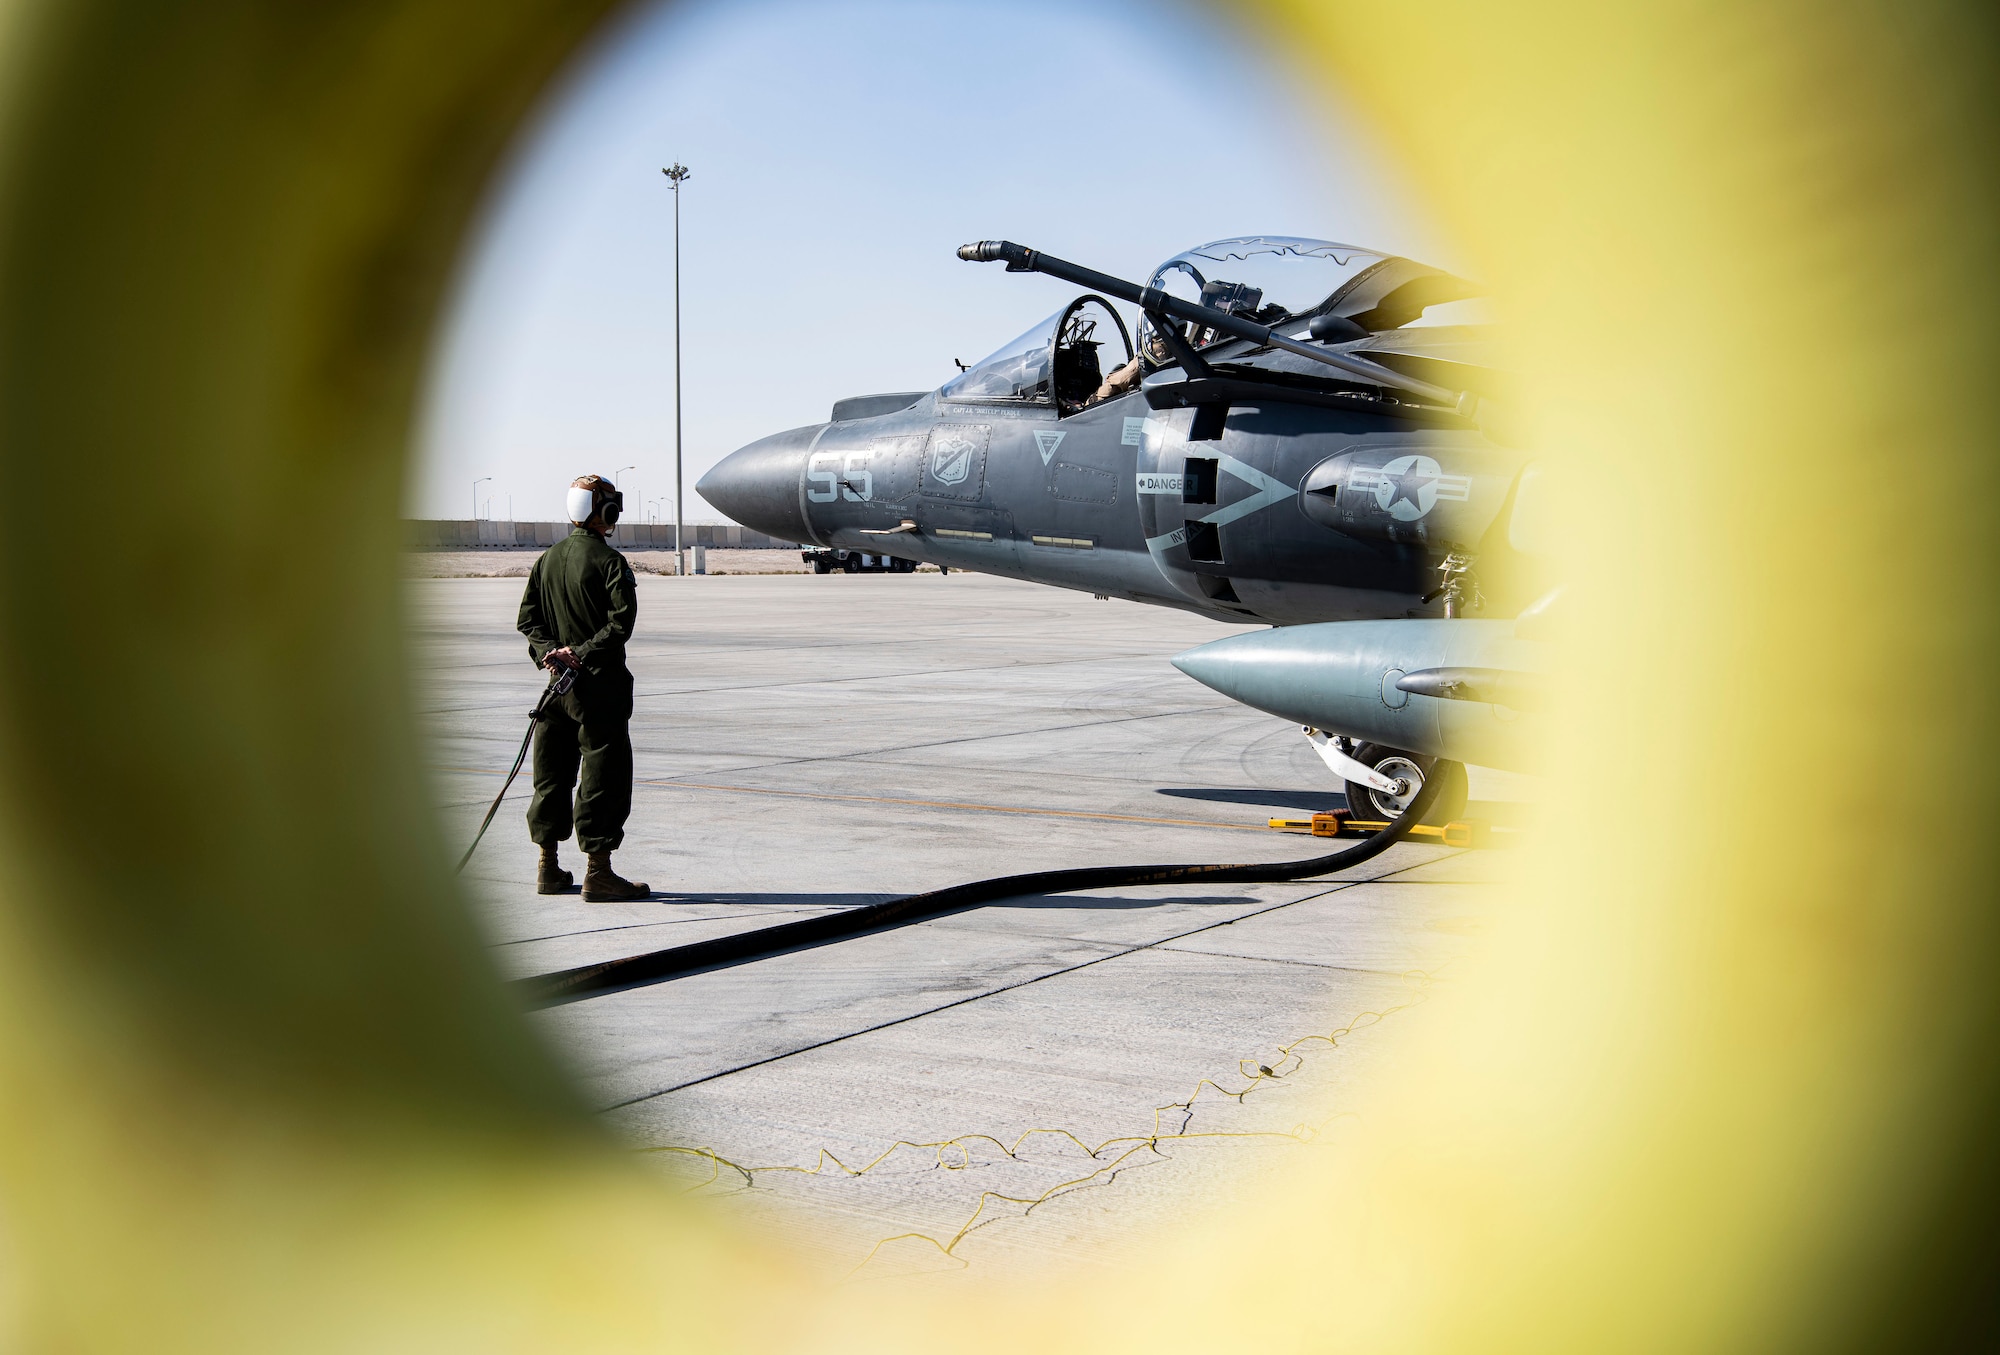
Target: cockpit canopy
pixel 1016 371
pixel 1265 278
pixel 1272 279
pixel 1061 361
pixel 1275 280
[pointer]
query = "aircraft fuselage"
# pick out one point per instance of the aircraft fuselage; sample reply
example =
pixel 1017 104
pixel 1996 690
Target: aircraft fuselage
pixel 1294 513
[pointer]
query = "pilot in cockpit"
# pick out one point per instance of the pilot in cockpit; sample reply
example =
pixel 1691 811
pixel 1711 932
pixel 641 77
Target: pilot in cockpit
pixel 1127 377
pixel 1233 298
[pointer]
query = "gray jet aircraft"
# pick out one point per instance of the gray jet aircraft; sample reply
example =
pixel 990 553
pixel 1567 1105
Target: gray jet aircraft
pixel 1304 432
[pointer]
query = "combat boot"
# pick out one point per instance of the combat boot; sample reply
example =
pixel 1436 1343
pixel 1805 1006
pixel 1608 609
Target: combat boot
pixel 550 877
pixel 601 884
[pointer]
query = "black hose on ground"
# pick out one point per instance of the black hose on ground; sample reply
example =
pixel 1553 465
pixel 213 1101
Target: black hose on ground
pixel 594 980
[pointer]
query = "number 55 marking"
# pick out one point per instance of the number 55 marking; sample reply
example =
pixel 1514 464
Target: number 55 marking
pixel 828 479
pixel 848 473
pixel 854 483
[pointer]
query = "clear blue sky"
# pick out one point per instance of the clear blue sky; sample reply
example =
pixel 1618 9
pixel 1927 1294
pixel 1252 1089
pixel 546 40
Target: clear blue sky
pixel 842 149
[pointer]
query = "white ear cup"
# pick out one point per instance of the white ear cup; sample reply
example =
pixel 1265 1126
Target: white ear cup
pixel 580 503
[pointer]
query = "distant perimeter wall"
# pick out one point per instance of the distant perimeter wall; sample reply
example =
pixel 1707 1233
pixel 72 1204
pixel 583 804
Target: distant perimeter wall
pixel 464 533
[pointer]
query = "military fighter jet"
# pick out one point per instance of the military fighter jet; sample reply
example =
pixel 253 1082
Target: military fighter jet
pixel 1303 432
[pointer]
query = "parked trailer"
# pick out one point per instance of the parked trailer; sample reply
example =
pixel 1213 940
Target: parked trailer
pixel 856 562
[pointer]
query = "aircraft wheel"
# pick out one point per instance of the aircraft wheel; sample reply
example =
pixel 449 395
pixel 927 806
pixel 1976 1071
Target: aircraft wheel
pixel 1411 767
pixel 851 565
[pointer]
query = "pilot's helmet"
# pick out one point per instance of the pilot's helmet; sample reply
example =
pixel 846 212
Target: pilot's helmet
pixel 594 497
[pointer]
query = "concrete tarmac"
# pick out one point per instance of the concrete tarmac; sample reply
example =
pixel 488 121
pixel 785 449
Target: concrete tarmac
pixel 806 743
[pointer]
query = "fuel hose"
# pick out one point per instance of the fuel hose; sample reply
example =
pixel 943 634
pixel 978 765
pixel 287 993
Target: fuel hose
pixel 722 952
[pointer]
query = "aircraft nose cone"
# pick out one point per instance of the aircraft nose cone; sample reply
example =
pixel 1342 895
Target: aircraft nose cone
pixel 1235 665
pixel 1202 667
pixel 1272 670
pixel 758 485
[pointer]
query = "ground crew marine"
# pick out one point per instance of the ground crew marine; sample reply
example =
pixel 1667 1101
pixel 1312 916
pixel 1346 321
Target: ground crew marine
pixel 578 612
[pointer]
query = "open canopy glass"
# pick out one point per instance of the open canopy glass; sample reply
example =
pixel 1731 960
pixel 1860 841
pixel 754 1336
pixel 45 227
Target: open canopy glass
pixel 1272 279
pixel 1266 278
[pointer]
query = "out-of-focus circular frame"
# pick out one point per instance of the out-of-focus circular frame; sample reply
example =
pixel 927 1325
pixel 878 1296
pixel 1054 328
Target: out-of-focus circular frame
pixel 1712 1084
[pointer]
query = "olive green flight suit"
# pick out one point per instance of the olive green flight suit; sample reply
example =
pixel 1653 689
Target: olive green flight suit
pixel 580 594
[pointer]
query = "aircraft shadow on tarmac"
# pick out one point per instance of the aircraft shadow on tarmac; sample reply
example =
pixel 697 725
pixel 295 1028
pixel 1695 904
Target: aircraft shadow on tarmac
pixel 1500 813
pixel 1316 801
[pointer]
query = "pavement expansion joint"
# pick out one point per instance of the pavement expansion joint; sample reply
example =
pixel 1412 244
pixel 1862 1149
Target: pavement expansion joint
pixel 1288 960
pixel 1032 732
pixel 761 911
pixel 901 675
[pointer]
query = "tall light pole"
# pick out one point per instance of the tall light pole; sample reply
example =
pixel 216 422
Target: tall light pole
pixel 475 495
pixel 677 175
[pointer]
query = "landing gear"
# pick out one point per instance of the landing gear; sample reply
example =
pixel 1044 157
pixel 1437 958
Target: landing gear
pixel 1410 769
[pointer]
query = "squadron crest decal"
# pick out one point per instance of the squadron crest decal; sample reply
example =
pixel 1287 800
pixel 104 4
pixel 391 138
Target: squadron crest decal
pixel 951 458
pixel 1410 486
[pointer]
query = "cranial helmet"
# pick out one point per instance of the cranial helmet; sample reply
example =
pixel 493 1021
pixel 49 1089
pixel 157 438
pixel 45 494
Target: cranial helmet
pixel 593 496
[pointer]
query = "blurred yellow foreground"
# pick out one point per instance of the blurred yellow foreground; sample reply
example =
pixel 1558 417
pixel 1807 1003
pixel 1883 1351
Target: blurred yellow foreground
pixel 1723 1081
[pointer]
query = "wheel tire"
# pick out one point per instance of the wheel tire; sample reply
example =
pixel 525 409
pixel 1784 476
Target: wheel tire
pixel 851 565
pixel 821 567
pixel 1374 805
